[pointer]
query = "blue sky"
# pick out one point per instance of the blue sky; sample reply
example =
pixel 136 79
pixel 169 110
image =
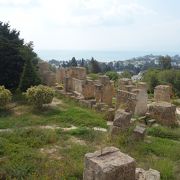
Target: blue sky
pixel 126 25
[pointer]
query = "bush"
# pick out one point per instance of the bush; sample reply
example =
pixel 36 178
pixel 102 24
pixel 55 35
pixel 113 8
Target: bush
pixel 112 75
pixel 5 97
pixel 39 95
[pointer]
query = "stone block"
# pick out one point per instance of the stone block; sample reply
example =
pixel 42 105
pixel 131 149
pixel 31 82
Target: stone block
pixel 139 133
pixel 151 174
pixel 122 119
pixel 163 112
pixel 162 93
pixel 109 164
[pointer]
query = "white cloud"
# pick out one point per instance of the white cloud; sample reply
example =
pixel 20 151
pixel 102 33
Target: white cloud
pixel 89 24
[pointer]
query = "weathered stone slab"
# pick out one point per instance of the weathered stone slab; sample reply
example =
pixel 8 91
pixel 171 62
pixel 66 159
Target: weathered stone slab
pixel 139 132
pixel 163 112
pixel 151 174
pixel 109 164
pixel 162 93
pixel 122 119
pixel 88 89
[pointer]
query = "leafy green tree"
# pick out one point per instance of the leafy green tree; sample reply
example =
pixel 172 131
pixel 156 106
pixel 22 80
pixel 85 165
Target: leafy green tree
pixel 126 74
pixel 112 75
pixel 13 54
pixel 29 76
pixel 151 77
pixel 165 62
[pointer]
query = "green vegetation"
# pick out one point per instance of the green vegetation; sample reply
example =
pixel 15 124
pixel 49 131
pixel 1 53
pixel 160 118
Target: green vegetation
pixel 126 74
pixel 39 95
pixel 31 150
pixel 5 97
pixel 112 75
pixel 13 55
pixel 156 77
pixel 29 76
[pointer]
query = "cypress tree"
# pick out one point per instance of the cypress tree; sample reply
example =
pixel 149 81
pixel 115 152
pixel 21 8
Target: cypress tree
pixel 29 76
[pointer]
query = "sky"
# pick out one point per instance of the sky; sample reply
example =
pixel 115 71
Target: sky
pixel 126 25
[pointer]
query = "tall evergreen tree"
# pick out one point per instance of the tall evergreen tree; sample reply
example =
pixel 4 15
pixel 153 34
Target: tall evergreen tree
pixel 73 62
pixel 94 66
pixel 13 54
pixel 29 76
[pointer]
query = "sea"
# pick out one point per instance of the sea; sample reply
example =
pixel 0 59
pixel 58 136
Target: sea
pixel 102 56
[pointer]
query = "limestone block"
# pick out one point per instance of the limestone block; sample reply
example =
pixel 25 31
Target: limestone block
pixel 163 112
pixel 88 89
pixel 109 164
pixel 151 174
pixel 126 100
pixel 124 82
pixel 139 132
pixel 122 119
pixel 162 93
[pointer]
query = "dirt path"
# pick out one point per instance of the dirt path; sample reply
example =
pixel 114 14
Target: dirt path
pixel 51 127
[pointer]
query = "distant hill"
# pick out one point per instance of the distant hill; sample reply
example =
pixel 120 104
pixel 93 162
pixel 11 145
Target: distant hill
pixel 135 65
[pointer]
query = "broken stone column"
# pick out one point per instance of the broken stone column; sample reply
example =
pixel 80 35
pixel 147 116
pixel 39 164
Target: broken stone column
pixel 139 132
pixel 141 102
pixel 88 89
pixel 66 82
pixel 162 93
pixel 121 121
pixel 142 86
pixel 163 112
pixel 124 82
pixel 104 79
pixel 126 100
pixel 109 164
pixel 98 92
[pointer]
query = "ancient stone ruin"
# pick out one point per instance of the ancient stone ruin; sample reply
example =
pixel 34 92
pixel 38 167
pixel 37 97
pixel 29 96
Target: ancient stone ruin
pixel 111 164
pixel 47 76
pixel 87 91
pixel 121 121
pixel 162 93
pixel 132 97
pixel 163 112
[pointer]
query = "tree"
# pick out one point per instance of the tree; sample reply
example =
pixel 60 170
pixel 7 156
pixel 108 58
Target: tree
pixel 126 74
pixel 73 62
pixel 151 77
pixel 13 54
pixel 112 75
pixel 29 76
pixel 165 62
pixel 94 66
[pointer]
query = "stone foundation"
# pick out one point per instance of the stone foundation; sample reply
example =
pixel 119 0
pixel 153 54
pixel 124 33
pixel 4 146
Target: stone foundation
pixel 109 164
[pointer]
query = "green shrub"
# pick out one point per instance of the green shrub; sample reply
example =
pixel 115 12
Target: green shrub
pixel 164 132
pixel 39 95
pixel 5 97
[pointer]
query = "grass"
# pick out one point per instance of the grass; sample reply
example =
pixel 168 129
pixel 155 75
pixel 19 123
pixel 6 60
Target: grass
pixel 72 115
pixel 21 155
pixel 165 132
